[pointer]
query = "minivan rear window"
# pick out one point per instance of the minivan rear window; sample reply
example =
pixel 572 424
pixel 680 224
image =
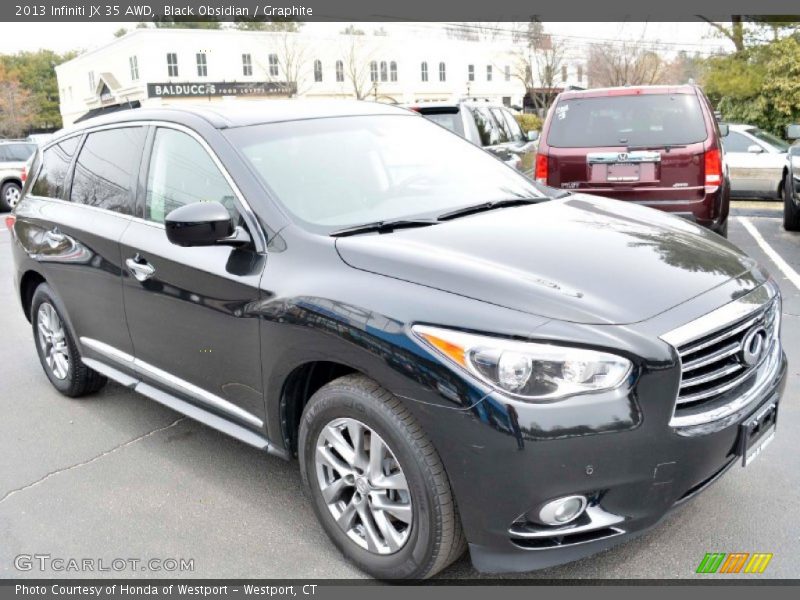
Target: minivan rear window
pixel 635 120
pixel 449 118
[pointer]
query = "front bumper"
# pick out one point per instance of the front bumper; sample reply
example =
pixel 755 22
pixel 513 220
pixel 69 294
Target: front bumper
pixel 634 470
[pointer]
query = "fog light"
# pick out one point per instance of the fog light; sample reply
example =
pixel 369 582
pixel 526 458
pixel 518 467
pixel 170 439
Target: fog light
pixel 562 510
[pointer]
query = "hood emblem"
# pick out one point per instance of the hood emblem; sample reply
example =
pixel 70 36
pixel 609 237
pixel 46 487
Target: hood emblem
pixel 754 345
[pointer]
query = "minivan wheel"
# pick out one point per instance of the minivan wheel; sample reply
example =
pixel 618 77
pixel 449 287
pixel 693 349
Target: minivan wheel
pixel 56 347
pixel 377 484
pixel 722 229
pixel 10 195
pixel 791 213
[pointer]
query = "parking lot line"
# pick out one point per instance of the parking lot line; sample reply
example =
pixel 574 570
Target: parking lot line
pixel 776 258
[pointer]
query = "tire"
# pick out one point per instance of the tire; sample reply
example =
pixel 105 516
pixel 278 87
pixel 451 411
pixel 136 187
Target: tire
pixel 722 229
pixel 9 196
pixel 57 351
pixel 791 213
pixel 434 538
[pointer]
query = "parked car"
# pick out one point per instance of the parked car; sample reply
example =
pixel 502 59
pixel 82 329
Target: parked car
pixel 458 356
pixel 791 181
pixel 490 126
pixel 13 157
pixel 658 146
pixel 756 161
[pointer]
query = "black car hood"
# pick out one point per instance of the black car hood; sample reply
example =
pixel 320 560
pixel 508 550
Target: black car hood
pixel 582 259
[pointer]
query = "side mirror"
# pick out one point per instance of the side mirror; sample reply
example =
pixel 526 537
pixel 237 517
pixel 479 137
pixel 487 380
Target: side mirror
pixel 755 149
pixel 793 132
pixel 203 224
pixel 724 129
pixel 533 135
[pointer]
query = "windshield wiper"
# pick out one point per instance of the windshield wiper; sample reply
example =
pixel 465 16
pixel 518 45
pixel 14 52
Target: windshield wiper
pixel 383 226
pixel 666 147
pixel 484 206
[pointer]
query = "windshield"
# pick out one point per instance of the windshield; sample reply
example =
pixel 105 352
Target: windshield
pixel 640 120
pixel 339 172
pixel 770 139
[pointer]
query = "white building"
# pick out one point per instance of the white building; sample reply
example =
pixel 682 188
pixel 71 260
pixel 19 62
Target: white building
pixel 155 67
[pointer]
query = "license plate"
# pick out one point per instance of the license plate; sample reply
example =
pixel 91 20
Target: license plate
pixel 623 172
pixel 757 433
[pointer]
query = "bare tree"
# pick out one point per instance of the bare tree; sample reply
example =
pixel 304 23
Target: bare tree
pixel 734 31
pixel 293 62
pixel 538 59
pixel 626 63
pixel 357 54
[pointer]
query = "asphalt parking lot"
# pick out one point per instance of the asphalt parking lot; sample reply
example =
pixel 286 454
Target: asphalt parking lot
pixel 119 476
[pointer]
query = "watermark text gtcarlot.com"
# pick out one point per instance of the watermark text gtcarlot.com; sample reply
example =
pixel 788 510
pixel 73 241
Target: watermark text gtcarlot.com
pixel 57 564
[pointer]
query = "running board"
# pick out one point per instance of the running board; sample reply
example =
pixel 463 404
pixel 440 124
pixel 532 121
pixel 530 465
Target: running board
pixel 190 410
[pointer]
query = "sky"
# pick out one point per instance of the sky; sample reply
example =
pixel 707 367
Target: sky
pixel 689 36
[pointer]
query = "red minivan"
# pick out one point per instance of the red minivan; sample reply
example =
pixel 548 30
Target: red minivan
pixel 653 145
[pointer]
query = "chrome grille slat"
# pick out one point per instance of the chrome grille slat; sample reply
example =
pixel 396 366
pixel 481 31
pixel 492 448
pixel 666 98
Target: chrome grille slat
pixel 711 350
pixel 728 350
pixel 738 329
pixel 713 375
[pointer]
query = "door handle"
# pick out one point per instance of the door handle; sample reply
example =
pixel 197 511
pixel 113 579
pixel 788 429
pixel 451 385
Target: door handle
pixel 54 237
pixel 140 268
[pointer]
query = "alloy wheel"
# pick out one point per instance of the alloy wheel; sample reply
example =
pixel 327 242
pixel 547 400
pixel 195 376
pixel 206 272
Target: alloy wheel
pixel 52 340
pixel 363 486
pixel 12 196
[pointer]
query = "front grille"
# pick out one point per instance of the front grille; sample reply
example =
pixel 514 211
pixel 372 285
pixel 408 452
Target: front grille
pixel 714 364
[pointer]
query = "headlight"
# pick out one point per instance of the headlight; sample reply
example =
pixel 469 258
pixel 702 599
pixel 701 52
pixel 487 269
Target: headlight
pixel 526 369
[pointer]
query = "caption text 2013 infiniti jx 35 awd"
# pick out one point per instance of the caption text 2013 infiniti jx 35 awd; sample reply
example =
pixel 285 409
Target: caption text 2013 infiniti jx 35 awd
pixel 458 356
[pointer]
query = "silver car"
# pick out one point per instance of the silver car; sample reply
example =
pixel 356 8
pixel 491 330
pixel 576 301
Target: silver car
pixel 13 157
pixel 756 161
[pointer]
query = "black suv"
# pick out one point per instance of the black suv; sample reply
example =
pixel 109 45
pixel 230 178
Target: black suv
pixel 459 356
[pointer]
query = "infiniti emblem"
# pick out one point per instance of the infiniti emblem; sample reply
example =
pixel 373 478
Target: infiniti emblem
pixel 753 345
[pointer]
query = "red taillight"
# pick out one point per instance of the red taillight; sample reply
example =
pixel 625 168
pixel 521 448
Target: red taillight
pixel 24 174
pixel 713 167
pixel 10 220
pixel 541 168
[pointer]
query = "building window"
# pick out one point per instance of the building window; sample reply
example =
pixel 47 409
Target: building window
pixel 580 73
pixel 507 73
pixel 134 64
pixel 202 65
pixel 470 72
pixel 392 71
pixel 507 101
pixel 564 73
pixel 488 72
pixel 384 71
pixel 247 65
pixel 172 64
pixel 442 72
pixel 273 65
pixel 424 71
pixel 317 71
pixel 339 71
pixel 373 71
pixel 92 82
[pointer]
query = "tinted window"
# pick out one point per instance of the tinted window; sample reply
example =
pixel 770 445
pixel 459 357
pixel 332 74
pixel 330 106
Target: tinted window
pixel 16 152
pixel 736 142
pixel 106 169
pixel 55 164
pixel 490 131
pixel 181 172
pixel 394 167
pixel 449 118
pixel 514 130
pixel 644 119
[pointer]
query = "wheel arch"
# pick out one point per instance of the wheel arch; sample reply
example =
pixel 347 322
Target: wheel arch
pixel 27 286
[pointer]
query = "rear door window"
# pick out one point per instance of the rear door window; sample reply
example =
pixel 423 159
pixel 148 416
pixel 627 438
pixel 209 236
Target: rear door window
pixel 736 142
pixel 512 128
pixel 106 170
pixel 633 120
pixel 55 165
pixel 489 130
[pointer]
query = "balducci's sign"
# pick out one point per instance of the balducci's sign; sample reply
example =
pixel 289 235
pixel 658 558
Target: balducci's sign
pixel 194 89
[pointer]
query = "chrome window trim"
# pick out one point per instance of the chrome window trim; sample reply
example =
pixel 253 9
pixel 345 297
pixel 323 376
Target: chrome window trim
pixel 143 368
pixel 250 215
